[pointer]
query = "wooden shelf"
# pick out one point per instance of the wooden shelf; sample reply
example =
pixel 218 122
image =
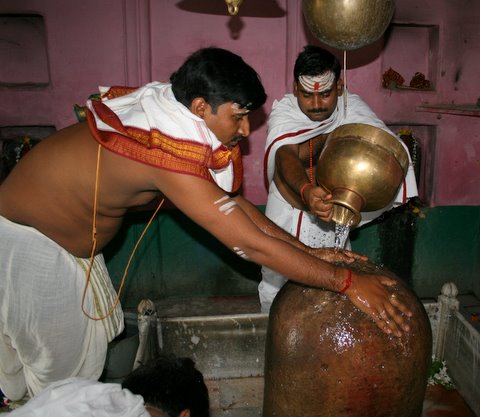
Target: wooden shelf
pixel 458 109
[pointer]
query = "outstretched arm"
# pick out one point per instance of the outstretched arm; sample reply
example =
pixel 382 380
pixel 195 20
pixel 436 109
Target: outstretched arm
pixel 227 219
pixel 367 292
pixel 273 230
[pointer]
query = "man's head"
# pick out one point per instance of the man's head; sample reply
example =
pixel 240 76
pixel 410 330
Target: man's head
pixel 218 86
pixel 317 82
pixel 170 387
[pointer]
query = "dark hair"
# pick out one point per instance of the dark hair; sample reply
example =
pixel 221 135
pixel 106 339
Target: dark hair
pixel 218 76
pixel 170 384
pixel 314 60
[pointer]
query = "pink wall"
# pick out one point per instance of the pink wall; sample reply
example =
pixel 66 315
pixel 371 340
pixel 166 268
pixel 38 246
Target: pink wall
pixel 131 42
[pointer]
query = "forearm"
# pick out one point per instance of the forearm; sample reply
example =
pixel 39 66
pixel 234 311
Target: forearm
pixel 259 240
pixel 267 226
pixel 297 264
pixel 291 172
pixel 294 163
pixel 248 233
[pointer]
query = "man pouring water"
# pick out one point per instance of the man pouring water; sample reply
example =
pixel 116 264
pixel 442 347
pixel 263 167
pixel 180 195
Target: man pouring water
pixel 297 130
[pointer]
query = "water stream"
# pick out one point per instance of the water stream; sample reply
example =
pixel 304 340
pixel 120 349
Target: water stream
pixel 341 235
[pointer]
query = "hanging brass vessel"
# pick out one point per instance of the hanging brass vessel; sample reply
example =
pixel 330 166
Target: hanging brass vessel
pixel 348 24
pixel 362 166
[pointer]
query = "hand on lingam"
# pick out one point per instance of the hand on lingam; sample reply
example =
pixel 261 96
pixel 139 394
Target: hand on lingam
pixel 372 295
pixel 335 255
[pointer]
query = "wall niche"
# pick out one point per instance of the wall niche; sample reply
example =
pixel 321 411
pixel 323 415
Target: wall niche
pixel 23 51
pixel 16 141
pixel 410 56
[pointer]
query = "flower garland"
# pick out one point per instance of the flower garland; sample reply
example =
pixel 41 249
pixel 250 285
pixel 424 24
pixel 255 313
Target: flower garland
pixel 438 375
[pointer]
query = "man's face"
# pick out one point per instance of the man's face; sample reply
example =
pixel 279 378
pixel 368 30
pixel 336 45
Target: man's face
pixel 318 106
pixel 230 123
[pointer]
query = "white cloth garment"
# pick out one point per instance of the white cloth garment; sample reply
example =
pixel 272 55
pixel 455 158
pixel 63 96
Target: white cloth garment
pixel 141 109
pixel 287 124
pixel 44 335
pixel 79 397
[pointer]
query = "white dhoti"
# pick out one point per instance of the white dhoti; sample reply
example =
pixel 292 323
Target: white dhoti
pixel 44 335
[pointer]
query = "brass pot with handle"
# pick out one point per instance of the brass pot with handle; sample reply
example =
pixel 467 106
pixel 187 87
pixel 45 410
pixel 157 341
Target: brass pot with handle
pixel 362 166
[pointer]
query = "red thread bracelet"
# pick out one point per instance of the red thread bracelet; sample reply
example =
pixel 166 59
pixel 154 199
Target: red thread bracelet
pixel 347 282
pixel 302 190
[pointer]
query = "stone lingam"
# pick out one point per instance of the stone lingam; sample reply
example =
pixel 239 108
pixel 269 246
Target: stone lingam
pixel 326 358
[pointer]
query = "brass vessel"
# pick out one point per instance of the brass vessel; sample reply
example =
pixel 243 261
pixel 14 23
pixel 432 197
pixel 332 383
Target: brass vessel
pixel 348 24
pixel 362 166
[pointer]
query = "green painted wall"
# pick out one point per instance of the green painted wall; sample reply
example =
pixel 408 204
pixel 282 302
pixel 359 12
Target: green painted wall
pixel 426 247
pixel 177 259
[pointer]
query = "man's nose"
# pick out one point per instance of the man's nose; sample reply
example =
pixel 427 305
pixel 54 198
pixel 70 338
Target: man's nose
pixel 244 129
pixel 317 100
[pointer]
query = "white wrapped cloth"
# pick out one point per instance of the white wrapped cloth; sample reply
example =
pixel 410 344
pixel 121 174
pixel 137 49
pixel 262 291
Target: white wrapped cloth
pixel 79 397
pixel 149 125
pixel 287 124
pixel 44 335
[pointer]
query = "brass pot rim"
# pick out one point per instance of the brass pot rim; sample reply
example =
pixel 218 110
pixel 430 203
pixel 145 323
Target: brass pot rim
pixel 374 135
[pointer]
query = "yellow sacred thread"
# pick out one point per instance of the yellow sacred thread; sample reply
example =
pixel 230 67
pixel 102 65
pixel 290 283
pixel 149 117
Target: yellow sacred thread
pixel 94 247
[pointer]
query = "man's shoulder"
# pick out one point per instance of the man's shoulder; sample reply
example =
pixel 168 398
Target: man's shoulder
pixel 284 109
pixel 288 100
pixel 354 98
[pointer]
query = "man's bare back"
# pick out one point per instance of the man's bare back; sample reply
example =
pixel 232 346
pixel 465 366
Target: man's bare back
pixel 52 189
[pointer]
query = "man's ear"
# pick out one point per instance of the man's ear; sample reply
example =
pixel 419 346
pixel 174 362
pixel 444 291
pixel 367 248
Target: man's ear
pixel 295 88
pixel 340 87
pixel 184 413
pixel 198 107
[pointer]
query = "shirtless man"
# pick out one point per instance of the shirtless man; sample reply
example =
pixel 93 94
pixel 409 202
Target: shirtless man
pixel 67 197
